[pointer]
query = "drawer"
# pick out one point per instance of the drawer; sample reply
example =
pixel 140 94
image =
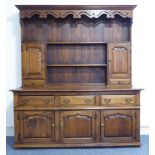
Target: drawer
pixel 33 83
pixel 36 100
pixel 77 100
pixel 119 81
pixel 112 100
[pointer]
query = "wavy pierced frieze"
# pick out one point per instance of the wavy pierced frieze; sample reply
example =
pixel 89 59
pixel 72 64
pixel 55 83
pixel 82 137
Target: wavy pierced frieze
pixel 75 13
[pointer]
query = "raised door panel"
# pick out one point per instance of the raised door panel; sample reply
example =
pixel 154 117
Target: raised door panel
pixel 78 126
pixel 118 125
pixel 36 126
pixel 119 64
pixel 33 61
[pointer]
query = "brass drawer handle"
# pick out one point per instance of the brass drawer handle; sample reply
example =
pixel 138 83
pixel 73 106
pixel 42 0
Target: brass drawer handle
pixel 88 101
pixel 128 100
pixel 107 100
pixel 66 101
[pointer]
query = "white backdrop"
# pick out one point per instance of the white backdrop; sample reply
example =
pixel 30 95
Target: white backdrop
pixel 142 53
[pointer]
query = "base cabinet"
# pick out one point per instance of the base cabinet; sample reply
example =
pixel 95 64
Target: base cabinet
pixel 77 119
pixel 77 128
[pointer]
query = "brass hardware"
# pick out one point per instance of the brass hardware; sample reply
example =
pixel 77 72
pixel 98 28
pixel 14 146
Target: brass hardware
pixel 128 100
pixel 53 125
pixel 88 101
pixel 66 101
pixel 77 115
pixel 102 124
pixel 107 100
pixel 65 117
pixel 61 125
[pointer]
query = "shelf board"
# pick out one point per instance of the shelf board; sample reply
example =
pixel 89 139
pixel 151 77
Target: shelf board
pixel 77 65
pixel 75 43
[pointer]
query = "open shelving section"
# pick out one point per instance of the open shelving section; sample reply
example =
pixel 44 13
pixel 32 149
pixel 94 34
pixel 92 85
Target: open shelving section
pixel 76 62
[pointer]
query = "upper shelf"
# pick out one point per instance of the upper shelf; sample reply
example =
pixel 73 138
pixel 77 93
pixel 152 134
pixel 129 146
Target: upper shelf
pixel 76 43
pixel 28 11
pixel 76 65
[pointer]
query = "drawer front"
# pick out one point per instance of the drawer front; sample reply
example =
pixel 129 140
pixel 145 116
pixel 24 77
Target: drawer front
pixel 77 100
pixel 33 83
pixel 119 81
pixel 36 100
pixel 122 100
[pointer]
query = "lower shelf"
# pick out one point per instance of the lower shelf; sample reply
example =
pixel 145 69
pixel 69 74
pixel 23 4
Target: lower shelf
pixel 58 145
pixel 96 74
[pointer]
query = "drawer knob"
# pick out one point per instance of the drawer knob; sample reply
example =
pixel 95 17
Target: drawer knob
pixel 128 100
pixel 102 124
pixel 107 100
pixel 53 125
pixel 61 125
pixel 66 101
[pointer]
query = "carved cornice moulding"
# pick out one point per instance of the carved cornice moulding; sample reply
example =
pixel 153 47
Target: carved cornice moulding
pixel 75 13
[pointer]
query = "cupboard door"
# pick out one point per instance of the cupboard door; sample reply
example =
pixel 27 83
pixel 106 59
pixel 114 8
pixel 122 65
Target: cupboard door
pixel 119 64
pixel 36 126
pixel 78 126
pixel 118 125
pixel 33 61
